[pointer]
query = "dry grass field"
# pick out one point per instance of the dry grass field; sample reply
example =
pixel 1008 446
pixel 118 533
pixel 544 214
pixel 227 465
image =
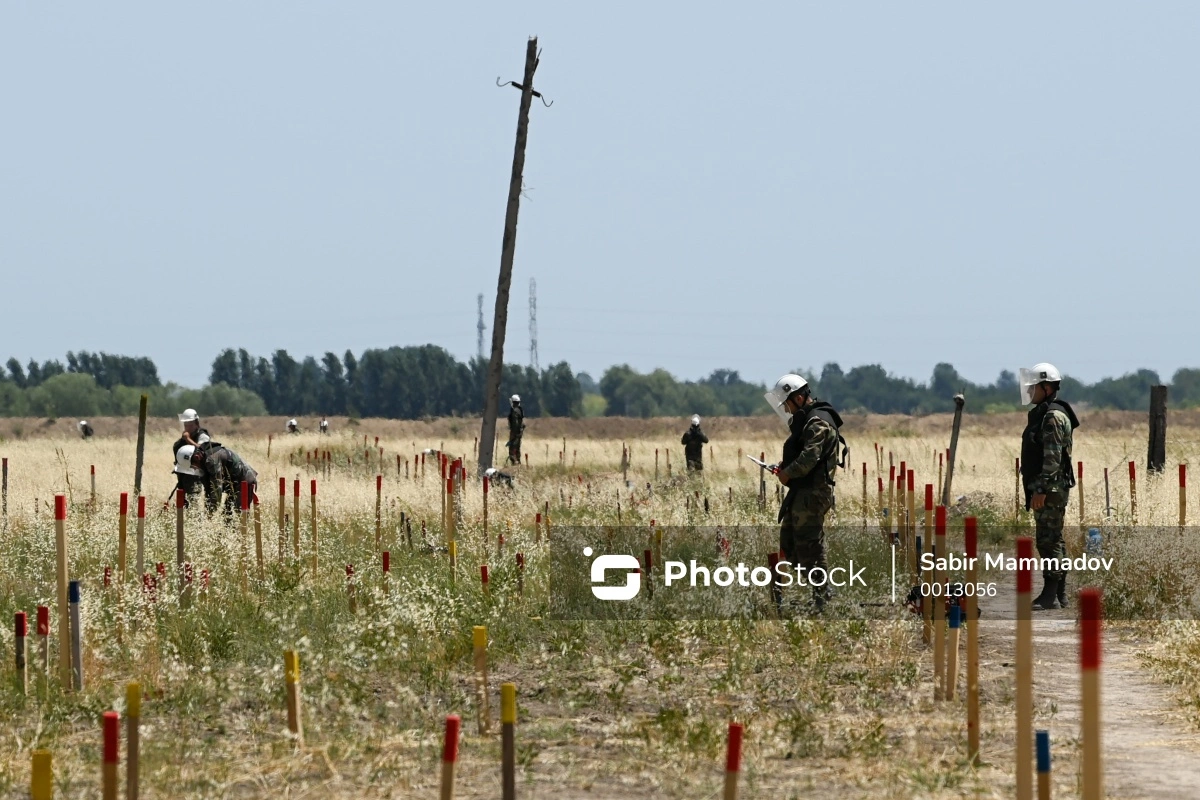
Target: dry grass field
pixel 839 705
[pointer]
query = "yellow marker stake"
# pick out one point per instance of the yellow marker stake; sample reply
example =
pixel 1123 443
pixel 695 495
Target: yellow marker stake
pixel 508 755
pixel 291 677
pixel 480 639
pixel 41 784
pixel 133 714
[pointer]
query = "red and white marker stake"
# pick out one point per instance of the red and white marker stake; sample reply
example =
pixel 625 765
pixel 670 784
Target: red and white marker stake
pixel 140 557
pixel 387 571
pixel 450 755
pixel 733 760
pixel 1024 657
pixel 1133 491
pixel 971 542
pixel 112 753
pixel 483 577
pixel 64 611
pixel 122 533
pixel 22 633
pixel 1091 622
pixel 43 633
pixel 1182 495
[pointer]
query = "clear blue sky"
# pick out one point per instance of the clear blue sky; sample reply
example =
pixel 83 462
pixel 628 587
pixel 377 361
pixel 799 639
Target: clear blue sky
pixel 752 186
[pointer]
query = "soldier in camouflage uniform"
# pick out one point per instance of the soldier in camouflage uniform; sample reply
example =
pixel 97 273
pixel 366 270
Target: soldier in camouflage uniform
pixel 693 442
pixel 810 460
pixel 516 429
pixel 1046 471
pixel 223 470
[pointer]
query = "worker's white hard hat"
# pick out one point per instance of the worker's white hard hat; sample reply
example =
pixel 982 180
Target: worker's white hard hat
pixel 189 415
pixel 516 398
pixel 183 461
pixel 83 423
pixel 1040 373
pixel 785 387
pixel 695 420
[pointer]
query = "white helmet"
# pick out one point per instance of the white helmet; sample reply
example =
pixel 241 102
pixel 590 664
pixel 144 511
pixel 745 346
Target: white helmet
pixel 189 415
pixel 183 461
pixel 1041 373
pixel 785 387
pixel 489 472
pixel 82 423
pixel 515 399
pixel 291 423
pixel 695 420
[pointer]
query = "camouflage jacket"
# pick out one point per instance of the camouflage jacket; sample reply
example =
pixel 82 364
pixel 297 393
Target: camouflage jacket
pixel 516 422
pixel 1046 446
pixel 693 442
pixel 224 470
pixel 813 441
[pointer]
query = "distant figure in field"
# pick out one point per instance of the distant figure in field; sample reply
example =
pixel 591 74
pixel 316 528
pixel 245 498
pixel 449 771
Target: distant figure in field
pixel 1046 471
pixel 498 478
pixel 193 434
pixel 516 429
pixel 85 430
pixel 324 426
pixel 693 445
pixel 292 427
pixel 223 470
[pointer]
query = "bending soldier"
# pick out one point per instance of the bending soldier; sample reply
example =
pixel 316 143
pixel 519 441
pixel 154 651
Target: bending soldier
pixel 1046 472
pixel 693 445
pixel 85 430
pixel 223 470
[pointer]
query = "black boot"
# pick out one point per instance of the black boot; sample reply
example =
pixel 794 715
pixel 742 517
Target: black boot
pixel 1062 589
pixel 1046 600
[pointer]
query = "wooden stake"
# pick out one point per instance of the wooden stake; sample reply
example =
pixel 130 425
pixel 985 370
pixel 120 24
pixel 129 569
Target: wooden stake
pixel 112 754
pixel 480 641
pixel 21 625
pixel 43 634
pixel 64 611
pixel 133 715
pixel 296 519
pixel 76 638
pixel 185 590
pixel 971 537
pixel 449 756
pixel 122 532
pixel 508 750
pixel 291 677
pixel 258 542
pixel 312 515
pixel 1079 483
pixel 938 598
pixel 952 651
pixel 864 497
pixel 1043 765
pixel 1133 492
pixel 1091 758
pixel 1024 659
pixel 387 572
pixel 243 533
pixel 733 760
pixel 41 782
pixel 378 513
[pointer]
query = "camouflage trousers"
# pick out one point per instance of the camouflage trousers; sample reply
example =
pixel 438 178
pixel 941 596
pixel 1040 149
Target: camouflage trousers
pixel 695 466
pixel 514 450
pixel 802 531
pixel 1048 528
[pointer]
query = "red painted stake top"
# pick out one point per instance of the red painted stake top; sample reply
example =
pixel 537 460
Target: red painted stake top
pixel 60 506
pixel 450 746
pixel 880 479
pixel 520 560
pixel 892 474
pixel 939 522
pixel 1024 574
pixel 112 737
pixel 971 536
pixel 929 497
pixel 903 468
pixel 141 506
pixel 22 624
pixel 245 496
pixel 387 561
pixel 282 487
pixel 483 572
pixel 378 483
pixel 538 518
pixel 93 469
pixel 733 756
pixel 124 504
pixel 486 484
pixel 43 620
pixel 1090 618
pixel 1182 476
pixel 349 570
pixel 312 489
pixel 179 498
pixel 296 487
pixel 1132 470
pixel 911 481
pixel 1080 472
pixel 649 560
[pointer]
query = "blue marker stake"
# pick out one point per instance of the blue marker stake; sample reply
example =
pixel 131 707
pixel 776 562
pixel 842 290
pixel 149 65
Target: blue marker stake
pixel 1043 764
pixel 76 655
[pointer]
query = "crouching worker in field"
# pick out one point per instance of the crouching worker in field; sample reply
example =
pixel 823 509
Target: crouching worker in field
pixel 223 470
pixel 85 430
pixel 187 477
pixel 498 478
pixel 693 445
pixel 810 461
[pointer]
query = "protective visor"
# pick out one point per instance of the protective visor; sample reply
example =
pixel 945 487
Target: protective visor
pixel 776 399
pixel 1027 380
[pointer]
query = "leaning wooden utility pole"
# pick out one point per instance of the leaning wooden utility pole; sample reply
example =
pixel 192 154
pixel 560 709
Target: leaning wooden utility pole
pixel 491 398
pixel 1156 453
pixel 959 402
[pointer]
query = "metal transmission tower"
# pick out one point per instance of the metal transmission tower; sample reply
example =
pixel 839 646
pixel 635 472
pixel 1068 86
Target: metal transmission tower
pixel 533 359
pixel 479 328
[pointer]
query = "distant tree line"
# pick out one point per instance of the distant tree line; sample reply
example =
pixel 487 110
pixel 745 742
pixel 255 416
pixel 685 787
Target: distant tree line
pixel 426 381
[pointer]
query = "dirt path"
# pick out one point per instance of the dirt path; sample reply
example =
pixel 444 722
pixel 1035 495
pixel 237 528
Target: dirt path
pixel 1147 753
